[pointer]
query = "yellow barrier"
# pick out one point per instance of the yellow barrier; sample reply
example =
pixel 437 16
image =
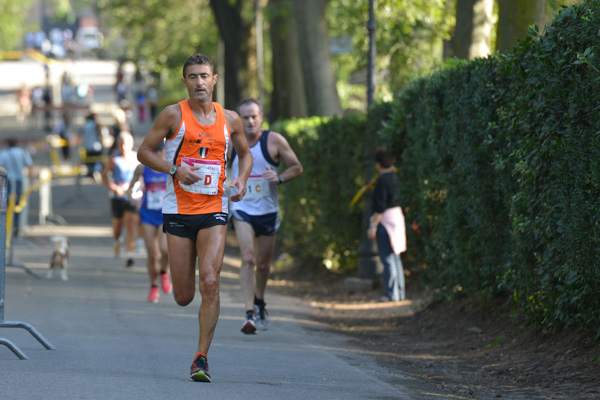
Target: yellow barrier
pixel 363 189
pixel 11 55
pixel 55 142
pixel 9 218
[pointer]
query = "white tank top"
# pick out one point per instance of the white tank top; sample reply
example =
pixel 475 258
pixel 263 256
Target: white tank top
pixel 262 196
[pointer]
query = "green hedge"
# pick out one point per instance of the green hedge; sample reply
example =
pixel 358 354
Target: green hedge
pixel 319 228
pixel 499 166
pixel 499 163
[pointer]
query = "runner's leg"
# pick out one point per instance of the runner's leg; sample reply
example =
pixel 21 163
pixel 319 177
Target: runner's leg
pixel 131 222
pixel 210 246
pixel 245 238
pixel 264 253
pixel 182 256
pixel 151 240
pixel 117 228
pixel 164 252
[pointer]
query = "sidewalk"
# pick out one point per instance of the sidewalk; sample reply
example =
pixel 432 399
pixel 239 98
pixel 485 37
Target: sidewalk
pixel 111 343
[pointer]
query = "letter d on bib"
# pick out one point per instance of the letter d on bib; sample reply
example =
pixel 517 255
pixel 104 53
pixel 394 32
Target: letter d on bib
pixel 207 180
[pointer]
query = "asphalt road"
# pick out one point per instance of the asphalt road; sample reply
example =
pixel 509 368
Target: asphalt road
pixel 111 343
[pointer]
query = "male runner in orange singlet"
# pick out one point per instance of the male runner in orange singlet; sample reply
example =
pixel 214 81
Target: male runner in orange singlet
pixel 198 133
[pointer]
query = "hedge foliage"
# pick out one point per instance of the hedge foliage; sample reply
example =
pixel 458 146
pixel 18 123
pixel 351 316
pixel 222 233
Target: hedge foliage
pixel 500 165
pixel 319 227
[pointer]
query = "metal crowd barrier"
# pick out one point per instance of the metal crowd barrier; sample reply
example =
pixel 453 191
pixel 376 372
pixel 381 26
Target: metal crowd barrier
pixel 3 323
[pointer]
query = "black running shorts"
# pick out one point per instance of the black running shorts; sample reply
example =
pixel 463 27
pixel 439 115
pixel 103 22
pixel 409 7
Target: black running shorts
pixel 189 225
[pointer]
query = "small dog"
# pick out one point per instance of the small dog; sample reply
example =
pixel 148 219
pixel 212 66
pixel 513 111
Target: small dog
pixel 60 257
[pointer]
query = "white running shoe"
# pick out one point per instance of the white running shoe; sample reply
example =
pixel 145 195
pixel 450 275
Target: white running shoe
pixel 262 317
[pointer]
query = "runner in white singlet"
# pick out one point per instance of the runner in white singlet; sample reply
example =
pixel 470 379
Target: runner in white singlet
pixel 256 218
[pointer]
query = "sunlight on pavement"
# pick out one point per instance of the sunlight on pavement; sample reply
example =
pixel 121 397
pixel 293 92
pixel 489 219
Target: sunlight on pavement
pixel 360 306
pixel 373 353
pixel 73 231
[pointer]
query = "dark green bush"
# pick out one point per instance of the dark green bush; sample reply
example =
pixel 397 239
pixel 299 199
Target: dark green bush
pixel 499 165
pixel 499 168
pixel 319 228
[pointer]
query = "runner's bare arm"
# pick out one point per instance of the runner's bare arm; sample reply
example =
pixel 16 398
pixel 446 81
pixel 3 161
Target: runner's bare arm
pixel 166 123
pixel 108 167
pixel 139 170
pixel 243 152
pixel 165 126
pixel 284 153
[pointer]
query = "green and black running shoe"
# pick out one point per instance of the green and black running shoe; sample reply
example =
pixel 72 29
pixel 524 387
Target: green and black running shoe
pixel 199 370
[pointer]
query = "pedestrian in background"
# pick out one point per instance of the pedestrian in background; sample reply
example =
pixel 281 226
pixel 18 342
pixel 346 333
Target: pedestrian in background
pixel 153 102
pixel 140 99
pixel 92 143
pixel 387 225
pixel 15 159
pixel 62 129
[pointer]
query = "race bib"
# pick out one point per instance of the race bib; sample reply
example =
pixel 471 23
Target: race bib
pixel 209 171
pixel 154 197
pixel 257 188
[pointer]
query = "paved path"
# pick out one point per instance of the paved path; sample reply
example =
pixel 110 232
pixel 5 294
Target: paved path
pixel 111 343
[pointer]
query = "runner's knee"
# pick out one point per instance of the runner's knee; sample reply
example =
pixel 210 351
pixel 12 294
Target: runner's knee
pixel 263 266
pixel 209 287
pixel 248 258
pixel 182 298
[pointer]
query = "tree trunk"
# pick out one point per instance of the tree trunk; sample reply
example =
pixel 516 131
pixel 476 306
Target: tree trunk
pixel 514 16
pixel 234 31
pixel 288 98
pixel 473 30
pixel 317 67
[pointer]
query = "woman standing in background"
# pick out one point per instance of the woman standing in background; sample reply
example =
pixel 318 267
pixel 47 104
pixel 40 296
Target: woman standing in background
pixel 387 225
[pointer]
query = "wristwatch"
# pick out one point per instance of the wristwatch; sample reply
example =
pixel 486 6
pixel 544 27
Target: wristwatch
pixel 280 179
pixel 173 171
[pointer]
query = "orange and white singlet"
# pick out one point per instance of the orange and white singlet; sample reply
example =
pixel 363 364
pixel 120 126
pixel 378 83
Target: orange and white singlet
pixel 204 147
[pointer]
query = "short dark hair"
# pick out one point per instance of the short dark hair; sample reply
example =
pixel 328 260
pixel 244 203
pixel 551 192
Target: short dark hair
pixel 383 157
pixel 12 142
pixel 250 100
pixel 198 59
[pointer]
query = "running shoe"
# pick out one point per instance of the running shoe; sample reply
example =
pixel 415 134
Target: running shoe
pixel 199 370
pixel 262 317
pixel 63 275
pixel 129 259
pixel 165 283
pixel 249 326
pixel 153 295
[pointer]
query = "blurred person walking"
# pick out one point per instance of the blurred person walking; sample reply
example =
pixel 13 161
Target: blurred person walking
pixel 91 139
pixel 15 160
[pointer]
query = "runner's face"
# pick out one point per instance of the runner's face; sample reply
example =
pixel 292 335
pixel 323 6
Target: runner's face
pixel 200 82
pixel 126 145
pixel 252 119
